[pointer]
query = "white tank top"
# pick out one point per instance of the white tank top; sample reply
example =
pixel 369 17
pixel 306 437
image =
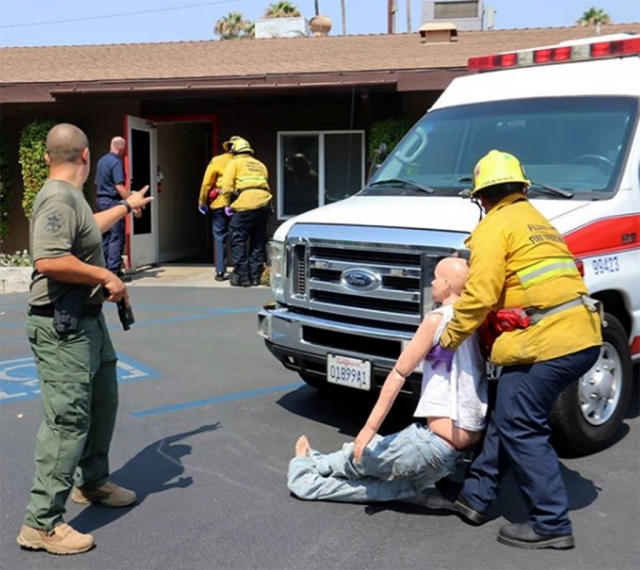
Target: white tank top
pixel 460 394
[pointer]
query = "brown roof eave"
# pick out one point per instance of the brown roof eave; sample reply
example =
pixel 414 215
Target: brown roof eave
pixel 401 80
pixel 186 87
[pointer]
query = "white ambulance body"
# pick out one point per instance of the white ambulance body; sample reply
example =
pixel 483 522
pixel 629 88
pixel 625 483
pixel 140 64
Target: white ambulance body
pixel 352 280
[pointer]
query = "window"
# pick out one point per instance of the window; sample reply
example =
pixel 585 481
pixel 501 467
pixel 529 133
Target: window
pixel 317 168
pixel 578 144
pixel 453 10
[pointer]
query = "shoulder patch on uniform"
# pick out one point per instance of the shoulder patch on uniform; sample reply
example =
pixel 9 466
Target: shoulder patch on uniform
pixel 52 223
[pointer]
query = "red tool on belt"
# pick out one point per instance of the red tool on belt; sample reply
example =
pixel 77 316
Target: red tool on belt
pixel 501 321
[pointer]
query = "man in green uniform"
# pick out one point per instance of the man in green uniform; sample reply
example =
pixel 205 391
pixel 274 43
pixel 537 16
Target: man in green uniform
pixel 75 358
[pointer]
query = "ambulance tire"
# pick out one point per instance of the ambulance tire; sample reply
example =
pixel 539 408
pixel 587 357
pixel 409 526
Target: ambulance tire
pixel 572 433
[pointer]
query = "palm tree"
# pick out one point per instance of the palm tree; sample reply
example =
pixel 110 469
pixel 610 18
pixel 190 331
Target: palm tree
pixel 343 9
pixel 233 26
pixel 284 9
pixel 593 16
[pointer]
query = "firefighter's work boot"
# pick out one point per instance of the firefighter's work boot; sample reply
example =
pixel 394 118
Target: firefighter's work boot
pixel 63 539
pixel 108 495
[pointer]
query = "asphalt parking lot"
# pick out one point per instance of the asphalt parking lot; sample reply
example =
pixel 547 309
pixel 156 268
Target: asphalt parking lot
pixel 207 423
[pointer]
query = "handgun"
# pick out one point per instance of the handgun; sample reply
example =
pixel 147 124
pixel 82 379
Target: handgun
pixel 125 314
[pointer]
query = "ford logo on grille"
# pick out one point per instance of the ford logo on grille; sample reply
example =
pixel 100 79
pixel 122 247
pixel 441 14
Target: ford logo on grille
pixel 360 279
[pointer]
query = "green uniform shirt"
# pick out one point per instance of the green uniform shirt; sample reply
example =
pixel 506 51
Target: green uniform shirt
pixel 62 224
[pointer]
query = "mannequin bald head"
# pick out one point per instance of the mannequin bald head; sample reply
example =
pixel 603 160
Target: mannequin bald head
pixel 449 280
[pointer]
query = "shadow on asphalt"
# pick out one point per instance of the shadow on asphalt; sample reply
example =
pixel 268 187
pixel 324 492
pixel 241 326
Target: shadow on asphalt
pixel 153 470
pixel 345 409
pixel 509 504
pixel 634 405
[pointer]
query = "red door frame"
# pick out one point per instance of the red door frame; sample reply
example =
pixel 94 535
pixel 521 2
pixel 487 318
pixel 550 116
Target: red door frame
pixel 201 118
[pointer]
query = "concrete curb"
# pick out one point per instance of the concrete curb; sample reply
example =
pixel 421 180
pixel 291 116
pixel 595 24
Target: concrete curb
pixel 14 280
pixel 17 279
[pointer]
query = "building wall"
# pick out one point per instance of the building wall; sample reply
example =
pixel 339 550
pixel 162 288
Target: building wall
pixel 257 118
pixel 100 119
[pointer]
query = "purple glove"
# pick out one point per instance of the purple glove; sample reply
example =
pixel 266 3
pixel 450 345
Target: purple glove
pixel 228 211
pixel 438 355
pixel 202 209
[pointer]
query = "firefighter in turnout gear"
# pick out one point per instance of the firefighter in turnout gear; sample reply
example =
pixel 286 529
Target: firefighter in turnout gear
pixel 519 260
pixel 245 184
pixel 212 199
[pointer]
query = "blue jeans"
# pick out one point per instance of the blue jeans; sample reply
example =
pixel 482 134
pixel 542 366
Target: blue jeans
pixel 518 435
pixel 393 467
pixel 220 229
pixel 113 239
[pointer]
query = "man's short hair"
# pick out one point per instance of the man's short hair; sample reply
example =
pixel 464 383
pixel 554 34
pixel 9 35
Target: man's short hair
pixel 118 142
pixel 65 143
pixel 497 192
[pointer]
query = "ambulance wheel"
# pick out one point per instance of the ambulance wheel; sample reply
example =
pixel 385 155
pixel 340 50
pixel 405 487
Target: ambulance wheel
pixel 588 414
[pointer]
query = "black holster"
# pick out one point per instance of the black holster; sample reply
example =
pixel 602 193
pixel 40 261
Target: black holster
pixel 68 309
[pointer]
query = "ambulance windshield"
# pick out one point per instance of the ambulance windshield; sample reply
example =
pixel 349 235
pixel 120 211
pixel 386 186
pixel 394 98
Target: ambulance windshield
pixel 578 144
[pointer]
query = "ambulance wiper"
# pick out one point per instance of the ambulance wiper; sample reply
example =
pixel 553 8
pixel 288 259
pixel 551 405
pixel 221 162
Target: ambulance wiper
pixel 402 182
pixel 546 189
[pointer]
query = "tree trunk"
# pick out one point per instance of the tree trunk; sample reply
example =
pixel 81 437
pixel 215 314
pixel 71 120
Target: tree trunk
pixel 409 16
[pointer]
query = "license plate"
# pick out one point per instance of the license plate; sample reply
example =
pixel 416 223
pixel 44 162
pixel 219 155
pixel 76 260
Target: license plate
pixel 350 372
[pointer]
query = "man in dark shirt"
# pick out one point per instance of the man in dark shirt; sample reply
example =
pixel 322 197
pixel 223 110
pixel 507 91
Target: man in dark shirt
pixel 110 189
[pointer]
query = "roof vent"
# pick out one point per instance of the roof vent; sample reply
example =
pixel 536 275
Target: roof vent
pixel 438 32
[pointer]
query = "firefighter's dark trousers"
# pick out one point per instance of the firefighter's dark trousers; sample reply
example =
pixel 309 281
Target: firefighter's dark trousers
pixel 518 435
pixel 248 237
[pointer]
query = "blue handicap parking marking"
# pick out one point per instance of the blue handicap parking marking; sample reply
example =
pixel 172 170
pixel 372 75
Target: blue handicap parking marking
pixel 19 377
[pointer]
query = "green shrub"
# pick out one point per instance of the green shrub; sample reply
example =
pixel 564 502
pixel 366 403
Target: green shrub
pixel 31 158
pixel 388 131
pixel 5 188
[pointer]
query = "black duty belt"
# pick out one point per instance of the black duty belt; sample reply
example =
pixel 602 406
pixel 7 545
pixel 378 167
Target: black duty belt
pixel 47 310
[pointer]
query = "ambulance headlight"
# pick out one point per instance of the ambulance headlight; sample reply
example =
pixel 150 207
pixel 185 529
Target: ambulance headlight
pixel 276 256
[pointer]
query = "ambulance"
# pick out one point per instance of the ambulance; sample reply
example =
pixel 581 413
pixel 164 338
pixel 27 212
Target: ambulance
pixel 351 280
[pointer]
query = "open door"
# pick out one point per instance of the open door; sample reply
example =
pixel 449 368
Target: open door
pixel 142 166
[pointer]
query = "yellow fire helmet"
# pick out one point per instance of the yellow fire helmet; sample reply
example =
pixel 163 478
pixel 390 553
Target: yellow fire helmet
pixel 239 145
pixel 497 167
pixel 227 145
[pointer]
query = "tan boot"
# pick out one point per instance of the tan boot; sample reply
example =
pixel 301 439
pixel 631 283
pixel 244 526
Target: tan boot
pixel 108 495
pixel 63 539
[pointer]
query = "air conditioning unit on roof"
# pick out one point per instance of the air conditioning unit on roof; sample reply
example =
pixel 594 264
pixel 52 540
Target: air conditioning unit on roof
pixel 269 28
pixel 464 14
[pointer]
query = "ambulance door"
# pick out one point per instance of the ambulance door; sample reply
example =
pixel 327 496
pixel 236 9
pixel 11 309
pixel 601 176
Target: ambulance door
pixel 141 167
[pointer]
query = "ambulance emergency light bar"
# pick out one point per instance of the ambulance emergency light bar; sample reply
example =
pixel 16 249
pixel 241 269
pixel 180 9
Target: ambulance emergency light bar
pixel 557 54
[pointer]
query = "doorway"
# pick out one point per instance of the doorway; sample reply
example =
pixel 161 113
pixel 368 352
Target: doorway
pixel 184 150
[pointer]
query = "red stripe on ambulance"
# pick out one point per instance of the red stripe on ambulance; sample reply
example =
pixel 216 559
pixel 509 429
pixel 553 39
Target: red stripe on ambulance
pixel 635 346
pixel 610 235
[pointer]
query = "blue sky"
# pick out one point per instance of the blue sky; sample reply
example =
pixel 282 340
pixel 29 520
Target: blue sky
pixel 28 22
